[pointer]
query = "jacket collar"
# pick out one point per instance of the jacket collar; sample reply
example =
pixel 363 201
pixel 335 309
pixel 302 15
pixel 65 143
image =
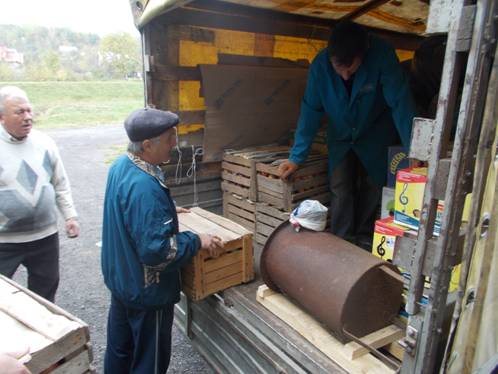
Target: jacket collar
pixel 153 170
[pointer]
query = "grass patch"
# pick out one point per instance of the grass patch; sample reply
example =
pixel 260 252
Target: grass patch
pixel 114 152
pixel 82 103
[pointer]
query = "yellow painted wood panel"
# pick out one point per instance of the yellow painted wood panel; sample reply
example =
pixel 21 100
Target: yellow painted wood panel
pixel 297 48
pixel 195 53
pixel 190 98
pixel 235 42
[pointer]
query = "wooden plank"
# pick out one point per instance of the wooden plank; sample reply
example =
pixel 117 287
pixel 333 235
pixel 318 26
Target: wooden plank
pixel 237 179
pixel 316 334
pixel 309 193
pixel 377 339
pixel 224 283
pixel 268 220
pixel 200 225
pixel 272 211
pixel 225 260
pixel 272 184
pixel 236 159
pixel 266 230
pixel 275 201
pixel 234 189
pixel 248 259
pixel 175 73
pixel 236 168
pixel 80 363
pixel 249 225
pixel 192 117
pixel 261 239
pixel 240 202
pixel 221 221
pixel 310 182
pixel 241 212
pixel 224 272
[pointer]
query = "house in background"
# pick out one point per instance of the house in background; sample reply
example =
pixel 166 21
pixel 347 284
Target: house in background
pixel 11 56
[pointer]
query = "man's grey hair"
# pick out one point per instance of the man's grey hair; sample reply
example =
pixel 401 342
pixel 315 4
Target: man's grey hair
pixel 137 147
pixel 8 92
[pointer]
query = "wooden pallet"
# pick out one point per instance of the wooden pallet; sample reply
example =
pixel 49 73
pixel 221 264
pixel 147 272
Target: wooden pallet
pixel 310 181
pixel 205 275
pixel 58 342
pixel 351 356
pixel 240 210
pixel 239 168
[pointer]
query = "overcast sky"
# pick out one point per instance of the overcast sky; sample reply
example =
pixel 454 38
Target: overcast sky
pixel 96 16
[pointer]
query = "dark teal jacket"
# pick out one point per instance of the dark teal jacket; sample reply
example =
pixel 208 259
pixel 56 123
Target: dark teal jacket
pixel 379 109
pixel 140 225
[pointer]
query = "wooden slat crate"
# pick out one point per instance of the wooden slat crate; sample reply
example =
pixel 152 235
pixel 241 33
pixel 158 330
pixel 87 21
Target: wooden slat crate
pixel 239 168
pixel 240 210
pixel 205 275
pixel 58 342
pixel 310 181
pixel 267 220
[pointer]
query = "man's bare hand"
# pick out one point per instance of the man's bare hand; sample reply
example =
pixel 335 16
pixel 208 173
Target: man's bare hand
pixel 72 228
pixel 182 210
pixel 212 243
pixel 286 168
pixel 10 365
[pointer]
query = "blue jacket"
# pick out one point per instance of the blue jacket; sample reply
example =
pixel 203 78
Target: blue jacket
pixel 379 109
pixel 139 228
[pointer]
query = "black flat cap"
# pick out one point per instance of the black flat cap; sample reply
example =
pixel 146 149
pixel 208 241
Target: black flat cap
pixel 148 123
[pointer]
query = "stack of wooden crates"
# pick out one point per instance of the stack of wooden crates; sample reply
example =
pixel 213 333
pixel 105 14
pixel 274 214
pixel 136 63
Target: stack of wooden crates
pixel 255 196
pixel 58 342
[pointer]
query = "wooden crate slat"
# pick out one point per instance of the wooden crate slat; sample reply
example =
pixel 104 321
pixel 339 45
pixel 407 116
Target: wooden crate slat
pixel 272 211
pixel 264 229
pixel 224 283
pixel 310 193
pixel 248 258
pixel 271 184
pixel 249 225
pixel 240 202
pixel 237 179
pixel 312 181
pixel 261 239
pixel 191 222
pixel 236 168
pixel 221 221
pixel 220 262
pixel 268 220
pixel 273 200
pixel 224 272
pixel 233 188
pixel 237 159
pixel 241 213
pixel 80 363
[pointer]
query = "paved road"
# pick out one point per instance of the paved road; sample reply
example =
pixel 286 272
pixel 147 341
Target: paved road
pixel 87 154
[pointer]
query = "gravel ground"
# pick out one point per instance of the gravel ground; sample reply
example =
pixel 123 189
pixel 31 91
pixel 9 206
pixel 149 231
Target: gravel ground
pixel 87 154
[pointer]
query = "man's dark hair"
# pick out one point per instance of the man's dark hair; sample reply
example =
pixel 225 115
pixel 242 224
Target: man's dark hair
pixel 347 41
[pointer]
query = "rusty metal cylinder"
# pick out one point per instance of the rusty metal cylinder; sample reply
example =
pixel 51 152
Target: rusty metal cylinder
pixel 338 283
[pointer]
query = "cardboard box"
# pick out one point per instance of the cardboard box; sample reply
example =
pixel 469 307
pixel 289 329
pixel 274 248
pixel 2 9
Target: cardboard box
pixel 409 196
pixel 397 159
pixel 385 234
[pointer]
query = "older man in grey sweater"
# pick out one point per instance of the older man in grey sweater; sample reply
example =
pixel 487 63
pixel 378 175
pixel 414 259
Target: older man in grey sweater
pixel 33 183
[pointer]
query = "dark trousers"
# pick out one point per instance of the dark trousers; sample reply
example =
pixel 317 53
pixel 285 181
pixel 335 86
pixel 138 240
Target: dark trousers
pixel 138 341
pixel 40 258
pixel 354 203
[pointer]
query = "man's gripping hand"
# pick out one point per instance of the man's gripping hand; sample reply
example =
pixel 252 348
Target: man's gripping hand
pixel 212 243
pixel 286 168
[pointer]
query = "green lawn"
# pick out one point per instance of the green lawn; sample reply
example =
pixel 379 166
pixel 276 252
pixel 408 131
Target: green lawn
pixel 84 103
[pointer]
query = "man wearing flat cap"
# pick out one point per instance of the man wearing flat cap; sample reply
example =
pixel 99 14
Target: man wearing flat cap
pixel 142 250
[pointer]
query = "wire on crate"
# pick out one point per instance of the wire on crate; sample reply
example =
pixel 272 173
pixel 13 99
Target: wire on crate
pixel 192 171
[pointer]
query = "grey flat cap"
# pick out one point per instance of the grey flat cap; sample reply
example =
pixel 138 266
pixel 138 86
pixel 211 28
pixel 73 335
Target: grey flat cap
pixel 148 123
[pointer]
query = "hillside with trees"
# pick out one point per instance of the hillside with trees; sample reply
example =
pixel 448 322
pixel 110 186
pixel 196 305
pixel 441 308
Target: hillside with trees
pixel 62 54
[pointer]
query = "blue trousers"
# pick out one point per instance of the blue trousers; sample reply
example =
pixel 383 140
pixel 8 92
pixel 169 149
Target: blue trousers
pixel 138 341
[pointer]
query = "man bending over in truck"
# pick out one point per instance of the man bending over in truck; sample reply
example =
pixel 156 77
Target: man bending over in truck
pixel 358 83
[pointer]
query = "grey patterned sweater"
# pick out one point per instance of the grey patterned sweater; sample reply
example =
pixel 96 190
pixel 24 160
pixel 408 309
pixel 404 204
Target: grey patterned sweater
pixel 33 183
